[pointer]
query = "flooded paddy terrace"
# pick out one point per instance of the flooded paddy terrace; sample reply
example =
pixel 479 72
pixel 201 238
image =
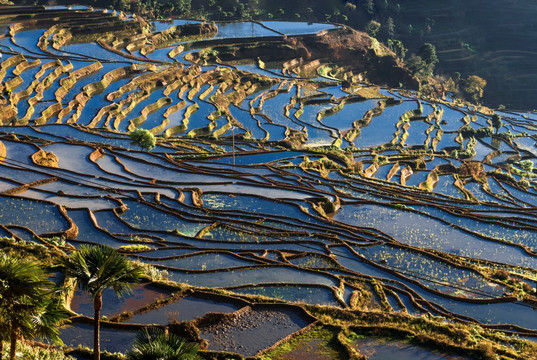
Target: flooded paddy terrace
pixel 272 189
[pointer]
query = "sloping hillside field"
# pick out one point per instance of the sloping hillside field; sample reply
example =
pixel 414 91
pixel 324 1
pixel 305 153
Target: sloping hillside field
pixel 290 200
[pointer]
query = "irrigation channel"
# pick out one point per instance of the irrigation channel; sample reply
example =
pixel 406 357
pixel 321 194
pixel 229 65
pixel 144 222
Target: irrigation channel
pixel 269 179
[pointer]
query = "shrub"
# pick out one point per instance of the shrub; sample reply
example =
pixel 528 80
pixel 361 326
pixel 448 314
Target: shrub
pixel 501 275
pixel 372 28
pixel 526 165
pixel 57 240
pixel 27 352
pixel 524 183
pixel 143 138
pixel 467 132
pixel 473 87
pixel 155 343
pixel 527 287
pixel 496 122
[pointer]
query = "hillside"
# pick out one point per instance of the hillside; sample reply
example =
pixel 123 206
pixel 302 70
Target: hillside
pixel 494 39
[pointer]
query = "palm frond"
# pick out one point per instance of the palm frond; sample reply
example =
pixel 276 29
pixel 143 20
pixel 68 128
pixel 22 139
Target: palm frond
pixel 46 322
pixel 154 343
pixel 98 268
pixel 27 299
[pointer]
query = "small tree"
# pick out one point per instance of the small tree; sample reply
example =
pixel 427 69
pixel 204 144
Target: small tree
pixel 424 61
pixel 389 28
pixel 309 12
pixel 428 54
pixel 526 165
pixel 496 122
pixel 372 28
pixel 350 6
pixel 336 15
pixel 369 6
pixel 143 138
pixel 417 65
pixel 398 48
pixel 183 6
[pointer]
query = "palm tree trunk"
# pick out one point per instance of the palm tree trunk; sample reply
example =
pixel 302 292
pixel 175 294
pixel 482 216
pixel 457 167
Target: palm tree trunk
pixel 12 350
pixel 97 305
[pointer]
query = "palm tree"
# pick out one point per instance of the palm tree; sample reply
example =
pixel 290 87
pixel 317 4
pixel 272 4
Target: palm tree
pixel 28 306
pixel 154 343
pixel 97 268
pixel 4 331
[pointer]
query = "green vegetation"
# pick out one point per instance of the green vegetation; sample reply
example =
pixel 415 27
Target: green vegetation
pixel 134 248
pixel 154 343
pixel 143 138
pixel 423 63
pixel 28 352
pixel 398 48
pixel 468 132
pixel 57 240
pixel 428 53
pixel 372 28
pixel 320 341
pixel 496 122
pixel 526 165
pixel 97 268
pixel 28 305
pixel 473 87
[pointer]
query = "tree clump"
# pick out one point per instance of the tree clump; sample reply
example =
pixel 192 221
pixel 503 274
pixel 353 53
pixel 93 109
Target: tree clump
pixel 496 121
pixel 424 62
pixel 474 87
pixel 468 132
pixel 526 165
pixel 143 138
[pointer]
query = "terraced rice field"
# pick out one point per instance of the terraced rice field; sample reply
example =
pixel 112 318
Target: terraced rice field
pixel 265 181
